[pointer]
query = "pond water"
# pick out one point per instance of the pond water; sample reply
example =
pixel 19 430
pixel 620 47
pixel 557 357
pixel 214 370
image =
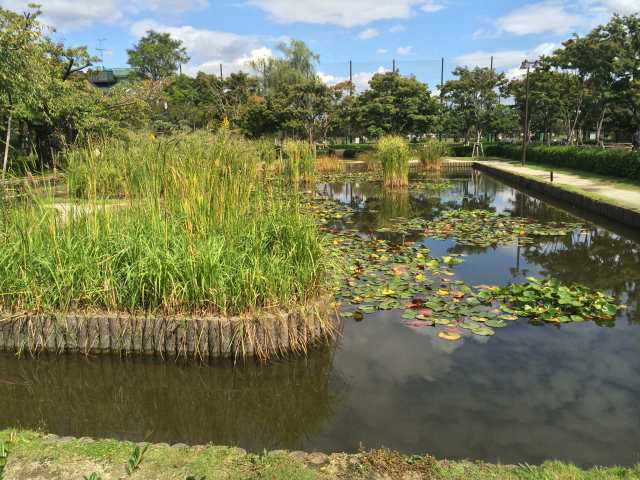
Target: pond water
pixel 530 393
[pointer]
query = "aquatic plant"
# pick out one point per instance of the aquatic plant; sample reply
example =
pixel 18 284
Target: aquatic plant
pixel 400 274
pixel 551 301
pixel 329 164
pixel 183 225
pixel 299 160
pixel 394 155
pixel 431 153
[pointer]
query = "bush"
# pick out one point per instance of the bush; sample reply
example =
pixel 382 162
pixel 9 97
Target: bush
pixel 394 154
pixel 459 150
pixel 611 162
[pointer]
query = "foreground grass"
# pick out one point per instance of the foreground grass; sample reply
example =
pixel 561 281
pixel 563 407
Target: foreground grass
pixel 185 225
pixel 32 455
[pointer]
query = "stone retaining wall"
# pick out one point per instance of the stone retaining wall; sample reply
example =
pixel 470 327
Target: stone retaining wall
pixel 262 335
pixel 623 215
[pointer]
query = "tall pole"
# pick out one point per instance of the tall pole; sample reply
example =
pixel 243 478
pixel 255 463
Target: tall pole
pixel 394 65
pixel 525 139
pixel 351 95
pixel 441 80
pixel 221 77
pixel 491 62
pixel 350 78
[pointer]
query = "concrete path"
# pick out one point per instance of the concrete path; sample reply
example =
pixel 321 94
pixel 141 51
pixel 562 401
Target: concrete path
pixel 613 191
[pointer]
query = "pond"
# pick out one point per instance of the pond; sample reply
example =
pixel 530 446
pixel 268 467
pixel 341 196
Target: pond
pixel 530 393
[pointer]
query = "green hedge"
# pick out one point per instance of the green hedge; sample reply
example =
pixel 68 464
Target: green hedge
pixel 611 162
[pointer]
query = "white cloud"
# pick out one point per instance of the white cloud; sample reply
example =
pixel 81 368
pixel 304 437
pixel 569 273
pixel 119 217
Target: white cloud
pixel 70 15
pixel 545 17
pixel 404 50
pixel 368 34
pixel 382 51
pixel 431 6
pixel 623 7
pixel 209 48
pixel 397 28
pixel 345 13
pixel 360 79
pixel 505 59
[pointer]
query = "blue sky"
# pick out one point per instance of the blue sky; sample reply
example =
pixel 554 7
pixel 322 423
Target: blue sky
pixel 416 33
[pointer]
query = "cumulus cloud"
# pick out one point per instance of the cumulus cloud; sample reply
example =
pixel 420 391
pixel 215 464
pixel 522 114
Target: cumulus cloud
pixel 360 79
pixel 431 6
pixel 509 60
pixel 559 17
pixel 404 50
pixel 69 15
pixel 545 17
pixel 345 13
pixel 368 34
pixel 209 48
pixel 397 28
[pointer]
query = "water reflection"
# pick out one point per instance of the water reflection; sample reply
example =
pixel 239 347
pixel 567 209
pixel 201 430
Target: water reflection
pixel 251 406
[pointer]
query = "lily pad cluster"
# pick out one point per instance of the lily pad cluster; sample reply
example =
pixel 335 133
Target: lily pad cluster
pixel 481 228
pixel 379 274
pixel 551 301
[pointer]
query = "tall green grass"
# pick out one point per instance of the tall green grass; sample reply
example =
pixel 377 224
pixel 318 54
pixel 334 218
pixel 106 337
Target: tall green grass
pixel 299 160
pixel 431 154
pixel 394 154
pixel 184 225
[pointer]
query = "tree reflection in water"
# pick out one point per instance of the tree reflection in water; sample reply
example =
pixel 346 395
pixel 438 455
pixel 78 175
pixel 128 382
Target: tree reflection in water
pixel 277 405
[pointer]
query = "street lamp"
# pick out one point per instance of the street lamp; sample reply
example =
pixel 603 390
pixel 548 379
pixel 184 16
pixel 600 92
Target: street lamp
pixel 525 140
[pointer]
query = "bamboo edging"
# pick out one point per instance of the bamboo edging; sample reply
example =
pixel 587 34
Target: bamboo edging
pixel 262 335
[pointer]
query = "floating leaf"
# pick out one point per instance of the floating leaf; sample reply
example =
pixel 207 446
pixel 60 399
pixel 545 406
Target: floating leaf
pixel 450 336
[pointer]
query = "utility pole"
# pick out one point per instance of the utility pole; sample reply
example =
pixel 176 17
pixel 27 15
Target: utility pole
pixel 221 77
pixel 350 78
pixel 525 140
pixel 394 65
pixel 441 80
pixel 491 62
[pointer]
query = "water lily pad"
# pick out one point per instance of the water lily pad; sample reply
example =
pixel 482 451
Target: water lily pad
pixel 483 331
pixel 496 323
pixel 450 336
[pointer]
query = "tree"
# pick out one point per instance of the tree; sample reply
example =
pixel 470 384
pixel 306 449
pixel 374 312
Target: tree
pixel 21 48
pixel 473 99
pixel 398 105
pixel 297 65
pixel 157 55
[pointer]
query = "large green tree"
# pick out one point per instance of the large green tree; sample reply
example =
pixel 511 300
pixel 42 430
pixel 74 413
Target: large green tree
pixel 394 104
pixel 472 99
pixel 157 55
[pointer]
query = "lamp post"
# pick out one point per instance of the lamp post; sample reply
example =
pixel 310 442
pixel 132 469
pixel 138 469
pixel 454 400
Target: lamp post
pixel 525 140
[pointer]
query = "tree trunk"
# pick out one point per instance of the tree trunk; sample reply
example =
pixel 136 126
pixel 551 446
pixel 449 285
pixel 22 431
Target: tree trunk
pixel 5 162
pixel 599 140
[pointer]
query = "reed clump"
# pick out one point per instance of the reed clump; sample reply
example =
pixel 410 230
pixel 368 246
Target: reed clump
pixel 299 160
pixel 431 154
pixel 393 153
pixel 329 164
pixel 184 225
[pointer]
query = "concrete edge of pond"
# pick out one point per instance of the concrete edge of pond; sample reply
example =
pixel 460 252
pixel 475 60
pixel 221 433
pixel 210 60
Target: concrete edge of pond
pixel 600 207
pixel 262 335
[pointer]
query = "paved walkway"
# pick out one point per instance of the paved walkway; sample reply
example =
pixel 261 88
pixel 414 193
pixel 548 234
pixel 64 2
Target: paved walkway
pixel 604 189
